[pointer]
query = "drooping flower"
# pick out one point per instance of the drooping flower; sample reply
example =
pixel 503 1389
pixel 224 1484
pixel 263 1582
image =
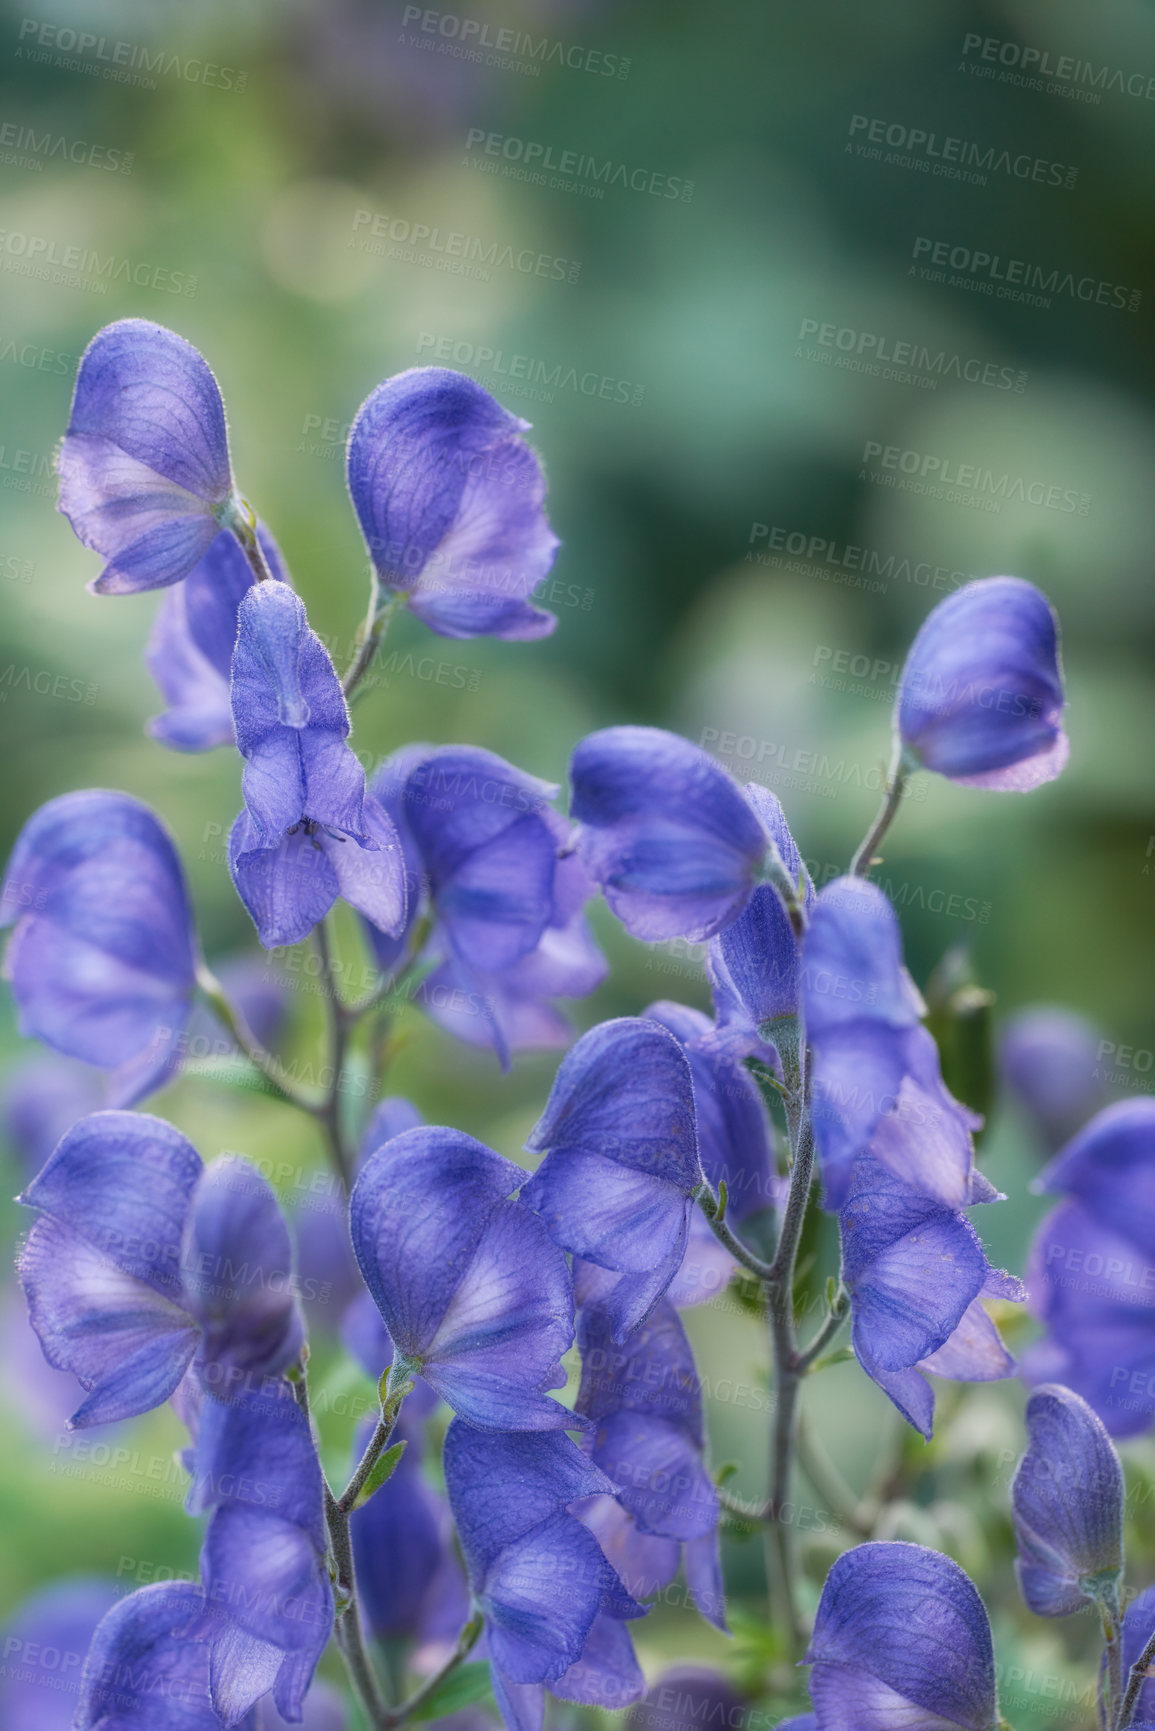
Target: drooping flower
pixel 1067 1498
pixel 450 502
pixel 45 1643
pixel 1050 1062
pixel 621 1165
pixel 144 467
pixel 1088 1271
pixel 665 831
pixel 268 1602
pixel 144 1262
pixel 102 961
pixel 981 697
pixel 876 1080
pixel 308 832
pixel 916 1273
pixel 553 1606
pixel 644 1402
pixel 901 1638
pixel 143 1676
pixel 756 956
pixel 190 650
pixel 472 1290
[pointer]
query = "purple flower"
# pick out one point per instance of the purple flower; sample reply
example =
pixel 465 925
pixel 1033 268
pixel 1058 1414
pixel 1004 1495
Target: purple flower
pixel 756 955
pixel 268 1610
pixel 450 502
pixel 644 1402
pixel 981 697
pixel 875 1072
pixel 473 1292
pixel 1067 1498
pixel 140 1674
pixel 102 960
pixel 668 835
pixel 1087 1269
pixel 144 467
pixel 308 832
pixel 916 1273
pixel 553 1606
pixel 1051 1060
pixel 143 1261
pixel 43 1097
pixel 687 1697
pixel 901 1638
pixel 622 1166
pixel 44 1647
pixel 190 651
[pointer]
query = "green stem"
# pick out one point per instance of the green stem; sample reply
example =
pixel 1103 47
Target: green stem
pixel 829 1484
pixel 896 780
pixel 1135 1682
pixel 712 1209
pixel 232 1020
pixel 370 636
pixel 817 1345
pixel 339 1026
pixel 466 1642
pixel 238 515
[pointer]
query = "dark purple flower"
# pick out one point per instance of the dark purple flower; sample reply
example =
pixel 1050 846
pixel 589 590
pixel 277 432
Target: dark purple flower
pixel 916 1273
pixel 102 960
pixel 617 1182
pixel 190 651
pixel 308 832
pixel 451 504
pixel 644 1403
pixel 689 1698
pixel 901 1638
pixel 876 1080
pixel 1067 1498
pixel 45 1643
pixel 43 1097
pixel 665 831
pixel 144 1260
pixel 144 467
pixel 143 1676
pixel 981 697
pixel 756 955
pixel 1051 1062
pixel 473 1292
pixel 553 1605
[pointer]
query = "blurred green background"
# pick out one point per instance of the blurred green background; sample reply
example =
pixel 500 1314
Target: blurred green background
pixel 695 422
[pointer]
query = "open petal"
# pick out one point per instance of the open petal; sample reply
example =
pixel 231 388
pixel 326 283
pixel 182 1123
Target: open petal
pixel 140 1674
pixel 287 888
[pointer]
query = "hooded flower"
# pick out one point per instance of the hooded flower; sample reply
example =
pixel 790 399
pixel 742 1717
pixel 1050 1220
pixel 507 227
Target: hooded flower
pixel 665 831
pixel 142 1676
pixel 553 1605
pixel 450 502
pixel 144 467
pixel 617 1182
pixel 756 956
pixel 144 1262
pixel 875 1072
pixel 471 1288
pixel 916 1273
pixel 44 1647
pixel 901 1638
pixel 102 960
pixel 1050 1061
pixel 981 697
pixel 1067 1498
pixel 308 832
pixel 190 651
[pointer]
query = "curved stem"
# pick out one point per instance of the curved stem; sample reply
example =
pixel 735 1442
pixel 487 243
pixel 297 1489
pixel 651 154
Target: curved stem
pixel 896 779
pixel 466 1642
pixel 838 1314
pixel 714 1213
pixel 828 1482
pixel 1135 1682
pixel 233 1021
pixel 330 1110
pixel 238 515
pixel 370 636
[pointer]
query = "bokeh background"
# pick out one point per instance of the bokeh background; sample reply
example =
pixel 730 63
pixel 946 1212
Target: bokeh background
pixel 707 355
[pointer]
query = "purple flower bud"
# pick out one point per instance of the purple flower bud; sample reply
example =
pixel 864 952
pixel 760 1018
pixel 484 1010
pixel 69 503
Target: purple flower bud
pixel 144 467
pixel 1050 1062
pixel 981 698
pixel 450 502
pixel 102 958
pixel 1067 1498
pixel 901 1638
pixel 665 831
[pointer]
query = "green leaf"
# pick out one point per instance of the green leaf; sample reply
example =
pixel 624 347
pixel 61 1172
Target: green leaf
pixel 840 1355
pixel 463 1686
pixel 381 1472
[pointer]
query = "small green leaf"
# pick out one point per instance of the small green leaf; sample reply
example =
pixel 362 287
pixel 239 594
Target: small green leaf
pixel 463 1686
pixel 382 1472
pixel 722 1195
pixel 840 1355
pixel 725 1472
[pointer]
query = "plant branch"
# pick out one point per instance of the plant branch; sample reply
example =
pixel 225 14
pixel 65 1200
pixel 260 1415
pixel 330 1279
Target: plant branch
pixel 896 779
pixel 839 1310
pixel 232 1020
pixel 828 1482
pixel 1135 1682
pixel 466 1642
pixel 714 1212
pixel 369 637
pixel 330 1110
